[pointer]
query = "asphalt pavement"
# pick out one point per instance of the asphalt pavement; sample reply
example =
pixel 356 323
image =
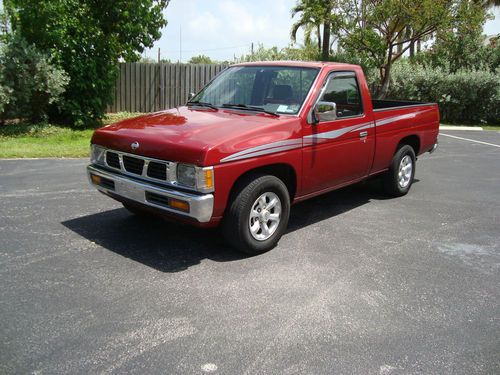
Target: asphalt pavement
pixel 360 284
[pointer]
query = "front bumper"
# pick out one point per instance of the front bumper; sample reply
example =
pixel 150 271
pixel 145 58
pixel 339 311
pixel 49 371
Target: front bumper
pixel 200 206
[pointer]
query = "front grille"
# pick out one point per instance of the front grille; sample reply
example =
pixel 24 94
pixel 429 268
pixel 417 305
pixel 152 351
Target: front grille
pixel 157 170
pixel 112 159
pixel 133 165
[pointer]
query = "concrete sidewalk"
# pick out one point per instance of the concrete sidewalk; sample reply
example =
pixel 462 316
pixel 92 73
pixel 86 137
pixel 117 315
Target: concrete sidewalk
pixel 453 127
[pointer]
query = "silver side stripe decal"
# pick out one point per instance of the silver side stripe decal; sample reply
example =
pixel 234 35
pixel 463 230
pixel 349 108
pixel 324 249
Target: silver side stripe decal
pixel 400 117
pixel 395 118
pixel 367 126
pixel 291 144
pixel 265 149
pixel 336 133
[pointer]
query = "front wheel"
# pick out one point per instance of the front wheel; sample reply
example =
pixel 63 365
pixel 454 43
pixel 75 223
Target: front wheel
pixel 257 215
pixel 399 177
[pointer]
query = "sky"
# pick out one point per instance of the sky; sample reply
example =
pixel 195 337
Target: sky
pixel 222 29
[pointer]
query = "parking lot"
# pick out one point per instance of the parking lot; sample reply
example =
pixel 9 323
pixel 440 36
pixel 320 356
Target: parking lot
pixel 360 284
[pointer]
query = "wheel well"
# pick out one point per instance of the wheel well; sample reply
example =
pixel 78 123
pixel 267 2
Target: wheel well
pixel 284 172
pixel 411 140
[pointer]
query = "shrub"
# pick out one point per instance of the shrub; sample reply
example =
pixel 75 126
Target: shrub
pixel 5 92
pixel 464 96
pixel 29 82
pixel 262 53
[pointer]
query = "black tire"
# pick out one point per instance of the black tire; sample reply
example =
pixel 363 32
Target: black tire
pixel 392 187
pixel 235 226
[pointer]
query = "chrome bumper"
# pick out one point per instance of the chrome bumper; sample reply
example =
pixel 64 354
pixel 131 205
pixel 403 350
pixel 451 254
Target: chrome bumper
pixel 200 206
pixel 434 147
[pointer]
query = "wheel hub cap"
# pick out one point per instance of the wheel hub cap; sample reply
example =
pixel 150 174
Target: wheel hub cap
pixel 265 216
pixel 405 171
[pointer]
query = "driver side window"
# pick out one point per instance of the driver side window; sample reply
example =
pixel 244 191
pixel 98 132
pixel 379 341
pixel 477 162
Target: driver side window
pixel 344 92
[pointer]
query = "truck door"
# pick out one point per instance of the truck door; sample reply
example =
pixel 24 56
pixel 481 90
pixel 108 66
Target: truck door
pixel 339 147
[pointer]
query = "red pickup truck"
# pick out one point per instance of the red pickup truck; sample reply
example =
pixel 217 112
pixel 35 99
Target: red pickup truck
pixel 258 138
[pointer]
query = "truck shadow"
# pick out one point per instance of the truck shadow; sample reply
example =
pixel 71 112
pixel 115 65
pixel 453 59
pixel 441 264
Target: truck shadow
pixel 171 247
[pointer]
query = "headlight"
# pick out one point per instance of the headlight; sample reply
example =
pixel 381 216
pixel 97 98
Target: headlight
pixel 199 178
pixel 186 175
pixel 97 154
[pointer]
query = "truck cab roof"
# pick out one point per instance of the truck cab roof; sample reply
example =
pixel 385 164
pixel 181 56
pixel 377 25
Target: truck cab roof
pixel 300 64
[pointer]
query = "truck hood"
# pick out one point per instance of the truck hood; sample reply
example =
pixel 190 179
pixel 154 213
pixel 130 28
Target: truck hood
pixel 198 136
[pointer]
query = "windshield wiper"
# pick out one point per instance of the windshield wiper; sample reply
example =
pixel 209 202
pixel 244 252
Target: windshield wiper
pixel 250 108
pixel 203 104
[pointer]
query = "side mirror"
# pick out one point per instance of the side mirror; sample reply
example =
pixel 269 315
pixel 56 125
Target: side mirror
pixel 325 111
pixel 191 95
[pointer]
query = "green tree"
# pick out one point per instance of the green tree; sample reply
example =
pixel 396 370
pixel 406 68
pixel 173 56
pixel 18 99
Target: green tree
pixel 201 59
pixel 147 60
pixel 87 38
pixel 492 3
pixel 274 53
pixel 315 15
pixel 375 29
pixel 461 44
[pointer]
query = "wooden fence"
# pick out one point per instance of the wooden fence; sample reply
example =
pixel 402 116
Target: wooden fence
pixel 143 87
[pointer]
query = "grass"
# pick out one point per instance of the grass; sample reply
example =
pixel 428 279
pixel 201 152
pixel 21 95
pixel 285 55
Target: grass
pixel 46 140
pixel 491 127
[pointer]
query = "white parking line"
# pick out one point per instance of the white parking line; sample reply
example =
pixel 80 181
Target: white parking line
pixel 470 140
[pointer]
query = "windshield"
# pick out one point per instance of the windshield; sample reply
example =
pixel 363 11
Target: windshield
pixel 276 89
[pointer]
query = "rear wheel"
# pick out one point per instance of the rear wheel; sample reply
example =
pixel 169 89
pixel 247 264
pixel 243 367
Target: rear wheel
pixel 257 215
pixel 399 178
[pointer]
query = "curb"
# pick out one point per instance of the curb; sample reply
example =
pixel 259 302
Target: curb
pixel 451 127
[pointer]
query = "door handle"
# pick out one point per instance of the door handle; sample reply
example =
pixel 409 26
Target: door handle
pixel 363 134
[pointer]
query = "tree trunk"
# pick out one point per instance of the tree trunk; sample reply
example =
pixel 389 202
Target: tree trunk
pixel 318 31
pixel 400 46
pixel 363 15
pixel 384 89
pixel 419 46
pixel 412 49
pixel 385 78
pixel 325 53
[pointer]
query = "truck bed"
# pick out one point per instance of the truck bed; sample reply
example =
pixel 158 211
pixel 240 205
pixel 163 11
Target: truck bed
pixel 397 119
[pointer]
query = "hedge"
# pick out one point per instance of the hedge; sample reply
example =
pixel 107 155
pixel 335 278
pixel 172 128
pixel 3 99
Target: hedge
pixel 467 96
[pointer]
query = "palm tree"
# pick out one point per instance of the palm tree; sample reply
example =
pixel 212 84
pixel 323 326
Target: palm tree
pixel 314 15
pixel 309 27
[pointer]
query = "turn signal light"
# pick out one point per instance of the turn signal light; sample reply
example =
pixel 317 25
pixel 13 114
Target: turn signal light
pixel 179 205
pixel 95 179
pixel 209 178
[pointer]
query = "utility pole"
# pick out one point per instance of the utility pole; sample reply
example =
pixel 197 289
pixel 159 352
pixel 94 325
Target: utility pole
pixel 158 55
pixel 252 49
